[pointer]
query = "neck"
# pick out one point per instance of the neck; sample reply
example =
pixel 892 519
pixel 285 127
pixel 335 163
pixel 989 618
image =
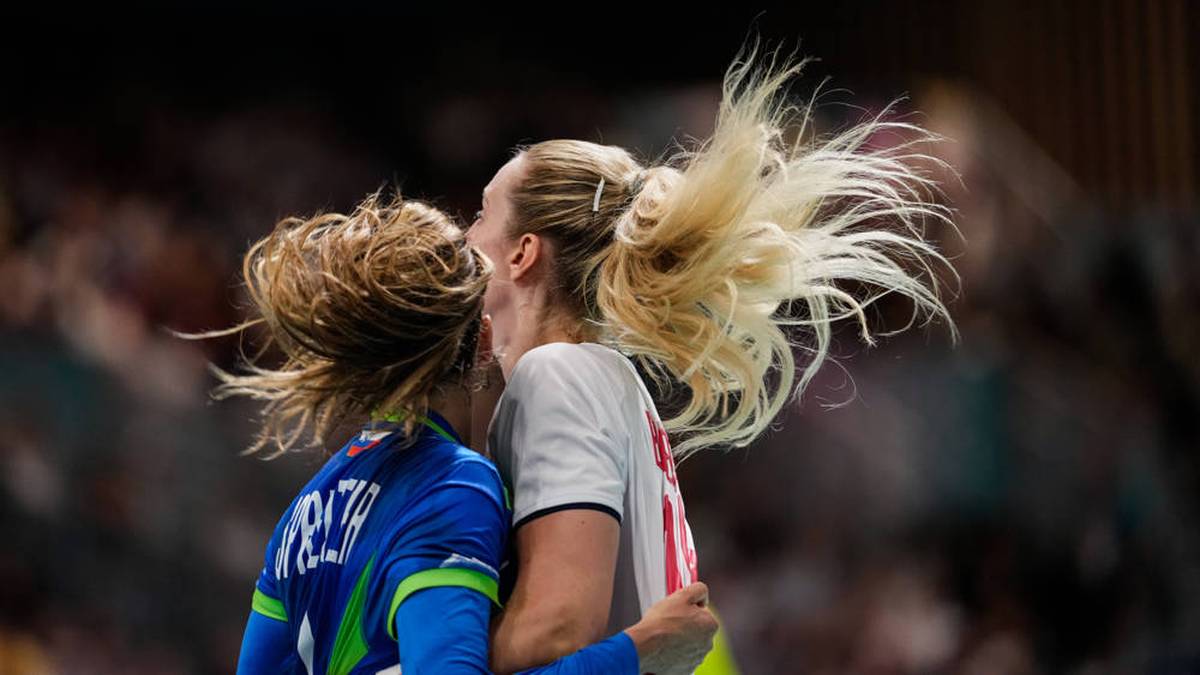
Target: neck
pixel 453 403
pixel 533 327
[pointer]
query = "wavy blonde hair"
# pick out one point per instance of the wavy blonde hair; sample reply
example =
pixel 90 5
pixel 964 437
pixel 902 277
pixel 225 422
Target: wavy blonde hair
pixel 710 267
pixel 371 311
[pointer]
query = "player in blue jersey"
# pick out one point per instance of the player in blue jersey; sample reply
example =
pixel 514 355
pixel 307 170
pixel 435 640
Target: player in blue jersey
pixel 390 558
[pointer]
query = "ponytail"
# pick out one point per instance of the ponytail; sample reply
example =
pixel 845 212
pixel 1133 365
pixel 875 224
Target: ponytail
pixel 709 260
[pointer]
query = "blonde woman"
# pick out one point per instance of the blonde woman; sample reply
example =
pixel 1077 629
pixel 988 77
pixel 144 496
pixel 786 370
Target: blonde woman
pixel 388 558
pixel 708 269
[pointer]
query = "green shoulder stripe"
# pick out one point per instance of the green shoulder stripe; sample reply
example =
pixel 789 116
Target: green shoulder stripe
pixel 268 606
pixel 441 576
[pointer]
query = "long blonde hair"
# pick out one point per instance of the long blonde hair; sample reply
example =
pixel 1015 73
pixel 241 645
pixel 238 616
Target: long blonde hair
pixel 697 265
pixel 371 311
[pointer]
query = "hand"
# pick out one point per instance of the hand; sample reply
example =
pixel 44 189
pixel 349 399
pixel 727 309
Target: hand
pixel 676 633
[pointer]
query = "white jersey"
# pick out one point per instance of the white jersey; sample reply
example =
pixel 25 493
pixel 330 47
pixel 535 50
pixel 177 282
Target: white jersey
pixel 576 428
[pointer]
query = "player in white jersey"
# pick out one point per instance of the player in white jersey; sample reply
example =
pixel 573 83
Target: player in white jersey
pixel 590 398
pixel 693 267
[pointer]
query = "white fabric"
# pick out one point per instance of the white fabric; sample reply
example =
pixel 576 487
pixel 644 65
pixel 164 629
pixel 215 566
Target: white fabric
pixel 576 425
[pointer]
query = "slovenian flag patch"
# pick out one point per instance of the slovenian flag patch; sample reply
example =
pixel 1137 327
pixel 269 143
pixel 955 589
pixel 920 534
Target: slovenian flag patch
pixel 367 440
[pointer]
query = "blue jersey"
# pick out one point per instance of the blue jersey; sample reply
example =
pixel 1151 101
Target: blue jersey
pixel 370 529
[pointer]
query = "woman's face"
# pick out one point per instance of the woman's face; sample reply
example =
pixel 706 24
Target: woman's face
pixel 490 234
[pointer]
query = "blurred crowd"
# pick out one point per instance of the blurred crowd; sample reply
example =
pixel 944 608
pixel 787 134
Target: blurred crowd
pixel 1021 502
pixel 132 525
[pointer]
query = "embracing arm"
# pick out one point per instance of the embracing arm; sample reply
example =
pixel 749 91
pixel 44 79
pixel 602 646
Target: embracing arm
pixel 445 630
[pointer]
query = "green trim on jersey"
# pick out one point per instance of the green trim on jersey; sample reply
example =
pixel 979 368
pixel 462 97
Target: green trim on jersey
pixel 399 417
pixel 438 428
pixel 267 606
pixel 440 576
pixel 350 646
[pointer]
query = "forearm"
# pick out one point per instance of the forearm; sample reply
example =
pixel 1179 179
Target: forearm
pixel 530 633
pixel 445 630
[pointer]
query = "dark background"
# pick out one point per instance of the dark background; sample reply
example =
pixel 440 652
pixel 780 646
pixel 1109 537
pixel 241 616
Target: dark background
pixel 1024 502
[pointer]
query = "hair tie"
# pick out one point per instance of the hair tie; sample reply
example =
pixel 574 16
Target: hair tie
pixel 639 181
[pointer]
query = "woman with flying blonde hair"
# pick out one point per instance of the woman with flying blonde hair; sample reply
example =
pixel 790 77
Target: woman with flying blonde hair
pixel 707 269
pixel 389 558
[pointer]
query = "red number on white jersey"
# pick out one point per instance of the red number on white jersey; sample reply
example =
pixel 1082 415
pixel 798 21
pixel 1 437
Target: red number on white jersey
pixel 678 547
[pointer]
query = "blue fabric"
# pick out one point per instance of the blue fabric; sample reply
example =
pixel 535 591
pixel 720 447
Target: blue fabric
pixel 445 630
pixel 401 509
pixel 376 513
pixel 265 647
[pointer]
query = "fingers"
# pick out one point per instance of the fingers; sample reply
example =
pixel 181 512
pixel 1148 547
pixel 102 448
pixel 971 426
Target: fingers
pixel 696 594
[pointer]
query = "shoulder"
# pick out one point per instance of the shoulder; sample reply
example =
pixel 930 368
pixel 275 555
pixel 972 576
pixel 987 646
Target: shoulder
pixel 470 470
pixel 586 367
pixel 462 496
pixel 466 463
pixel 548 358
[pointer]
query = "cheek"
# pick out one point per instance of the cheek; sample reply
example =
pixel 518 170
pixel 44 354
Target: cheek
pixel 483 237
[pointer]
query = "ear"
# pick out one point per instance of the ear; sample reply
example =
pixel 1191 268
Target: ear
pixel 525 256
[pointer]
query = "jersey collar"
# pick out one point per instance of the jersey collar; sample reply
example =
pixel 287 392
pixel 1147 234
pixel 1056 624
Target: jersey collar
pixel 438 425
pixel 432 421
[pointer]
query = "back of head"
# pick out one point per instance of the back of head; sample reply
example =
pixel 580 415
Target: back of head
pixel 713 266
pixel 371 311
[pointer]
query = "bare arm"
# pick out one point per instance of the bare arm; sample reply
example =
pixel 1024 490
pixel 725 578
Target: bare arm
pixel 563 592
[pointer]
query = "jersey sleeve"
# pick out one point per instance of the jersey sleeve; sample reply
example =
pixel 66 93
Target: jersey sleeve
pixel 266 646
pixel 458 539
pixel 564 446
pixel 268 596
